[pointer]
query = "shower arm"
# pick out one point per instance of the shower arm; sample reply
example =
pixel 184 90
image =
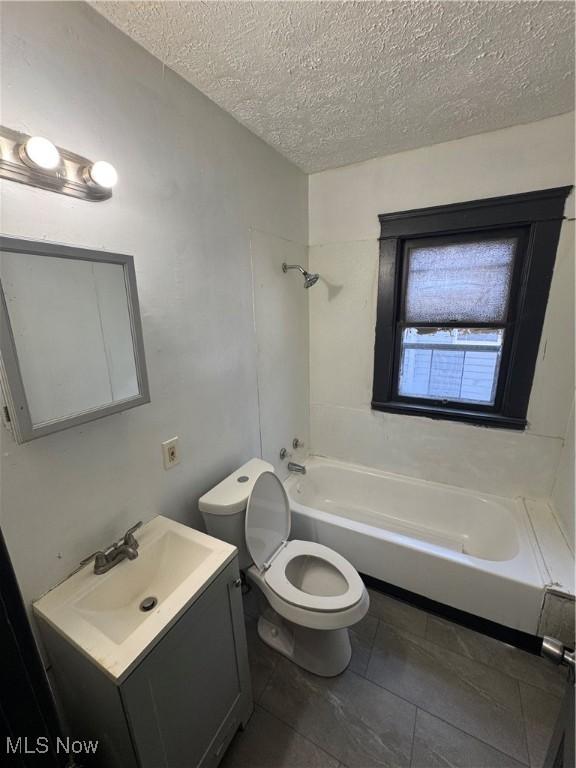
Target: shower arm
pixel 286 267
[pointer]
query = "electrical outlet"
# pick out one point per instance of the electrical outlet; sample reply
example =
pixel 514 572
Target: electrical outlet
pixel 170 453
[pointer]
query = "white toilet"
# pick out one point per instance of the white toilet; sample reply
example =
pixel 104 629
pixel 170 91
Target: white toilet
pixel 313 594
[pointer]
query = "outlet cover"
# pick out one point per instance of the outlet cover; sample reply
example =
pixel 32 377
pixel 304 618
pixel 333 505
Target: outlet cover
pixel 170 453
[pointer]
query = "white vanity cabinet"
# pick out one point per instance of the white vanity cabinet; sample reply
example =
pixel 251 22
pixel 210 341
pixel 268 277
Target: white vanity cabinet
pixel 181 704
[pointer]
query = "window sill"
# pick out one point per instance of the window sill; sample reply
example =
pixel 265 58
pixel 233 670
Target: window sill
pixel 452 414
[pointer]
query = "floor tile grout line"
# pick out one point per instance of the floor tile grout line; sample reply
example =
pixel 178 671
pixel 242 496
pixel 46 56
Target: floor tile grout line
pixel 457 653
pixel 363 676
pixel 525 725
pixel 426 637
pixel 301 735
pixel 433 714
pixel 351 672
pixel 416 707
pixel 358 637
pixel 429 615
pixel 478 661
pixel 541 690
pixel 267 683
pixel 372 650
pixel 413 738
pixel 476 738
pixel 308 738
pixel 371 646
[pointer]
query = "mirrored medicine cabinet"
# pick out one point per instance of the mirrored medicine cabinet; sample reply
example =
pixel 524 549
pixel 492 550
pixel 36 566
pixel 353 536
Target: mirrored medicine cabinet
pixel 71 336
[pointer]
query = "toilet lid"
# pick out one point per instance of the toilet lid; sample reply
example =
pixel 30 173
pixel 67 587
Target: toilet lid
pixel 267 518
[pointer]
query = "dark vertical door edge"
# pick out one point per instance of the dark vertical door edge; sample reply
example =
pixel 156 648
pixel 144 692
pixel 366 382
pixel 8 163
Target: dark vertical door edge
pixel 27 709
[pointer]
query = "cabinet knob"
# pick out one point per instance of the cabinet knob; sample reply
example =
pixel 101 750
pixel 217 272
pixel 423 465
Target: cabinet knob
pixel 237 583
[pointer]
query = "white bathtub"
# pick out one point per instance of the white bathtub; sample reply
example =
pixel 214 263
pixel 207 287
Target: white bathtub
pixel 468 550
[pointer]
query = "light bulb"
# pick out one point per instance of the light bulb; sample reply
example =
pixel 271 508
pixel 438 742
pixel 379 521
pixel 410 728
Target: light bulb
pixel 42 153
pixel 103 174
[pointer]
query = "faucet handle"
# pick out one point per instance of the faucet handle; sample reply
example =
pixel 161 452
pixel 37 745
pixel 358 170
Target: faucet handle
pixel 99 554
pixel 129 539
pixel 86 560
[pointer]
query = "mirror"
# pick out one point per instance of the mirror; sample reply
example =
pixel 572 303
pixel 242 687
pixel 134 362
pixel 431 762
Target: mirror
pixel 71 338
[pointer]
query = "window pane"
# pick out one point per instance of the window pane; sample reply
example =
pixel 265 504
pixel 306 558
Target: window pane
pixel 460 282
pixel 457 364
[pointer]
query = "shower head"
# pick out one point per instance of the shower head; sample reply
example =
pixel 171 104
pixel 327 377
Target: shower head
pixel 310 278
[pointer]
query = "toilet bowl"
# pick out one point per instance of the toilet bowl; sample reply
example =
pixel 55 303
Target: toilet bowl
pixel 311 594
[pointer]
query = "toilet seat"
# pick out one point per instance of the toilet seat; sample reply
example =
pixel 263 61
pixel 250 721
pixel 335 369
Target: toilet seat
pixel 277 579
pixel 267 527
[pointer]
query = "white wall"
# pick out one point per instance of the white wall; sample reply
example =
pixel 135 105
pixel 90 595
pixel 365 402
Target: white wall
pixel 344 206
pixel 563 491
pixel 194 186
pixel 281 318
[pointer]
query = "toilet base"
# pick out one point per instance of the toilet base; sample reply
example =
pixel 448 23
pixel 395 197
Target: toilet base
pixel 324 652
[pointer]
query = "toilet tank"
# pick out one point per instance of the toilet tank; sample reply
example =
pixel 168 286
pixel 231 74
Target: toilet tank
pixel 224 507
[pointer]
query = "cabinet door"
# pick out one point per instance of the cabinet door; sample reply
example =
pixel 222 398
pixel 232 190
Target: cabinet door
pixel 188 696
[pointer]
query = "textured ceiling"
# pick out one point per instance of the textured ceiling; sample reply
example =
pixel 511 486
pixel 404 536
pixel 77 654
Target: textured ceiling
pixel 331 83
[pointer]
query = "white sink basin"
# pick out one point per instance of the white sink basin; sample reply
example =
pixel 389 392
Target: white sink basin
pixel 101 615
pixel 113 605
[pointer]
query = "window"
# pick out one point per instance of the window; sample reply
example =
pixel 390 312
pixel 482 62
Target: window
pixel 461 302
pixel 456 311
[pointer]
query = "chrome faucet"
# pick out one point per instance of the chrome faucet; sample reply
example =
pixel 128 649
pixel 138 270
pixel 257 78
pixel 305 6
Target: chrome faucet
pixel 124 548
pixel 298 468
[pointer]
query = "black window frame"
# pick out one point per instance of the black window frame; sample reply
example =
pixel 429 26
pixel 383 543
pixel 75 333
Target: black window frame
pixel 536 217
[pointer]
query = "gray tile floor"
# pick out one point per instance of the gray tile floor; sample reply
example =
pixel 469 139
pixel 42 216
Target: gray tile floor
pixel 420 692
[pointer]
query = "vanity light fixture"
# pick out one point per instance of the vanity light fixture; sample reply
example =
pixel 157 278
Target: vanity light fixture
pixel 40 153
pixel 37 162
pixel 101 173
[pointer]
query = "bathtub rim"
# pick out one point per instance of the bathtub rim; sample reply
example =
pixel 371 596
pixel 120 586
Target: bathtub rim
pixel 514 505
